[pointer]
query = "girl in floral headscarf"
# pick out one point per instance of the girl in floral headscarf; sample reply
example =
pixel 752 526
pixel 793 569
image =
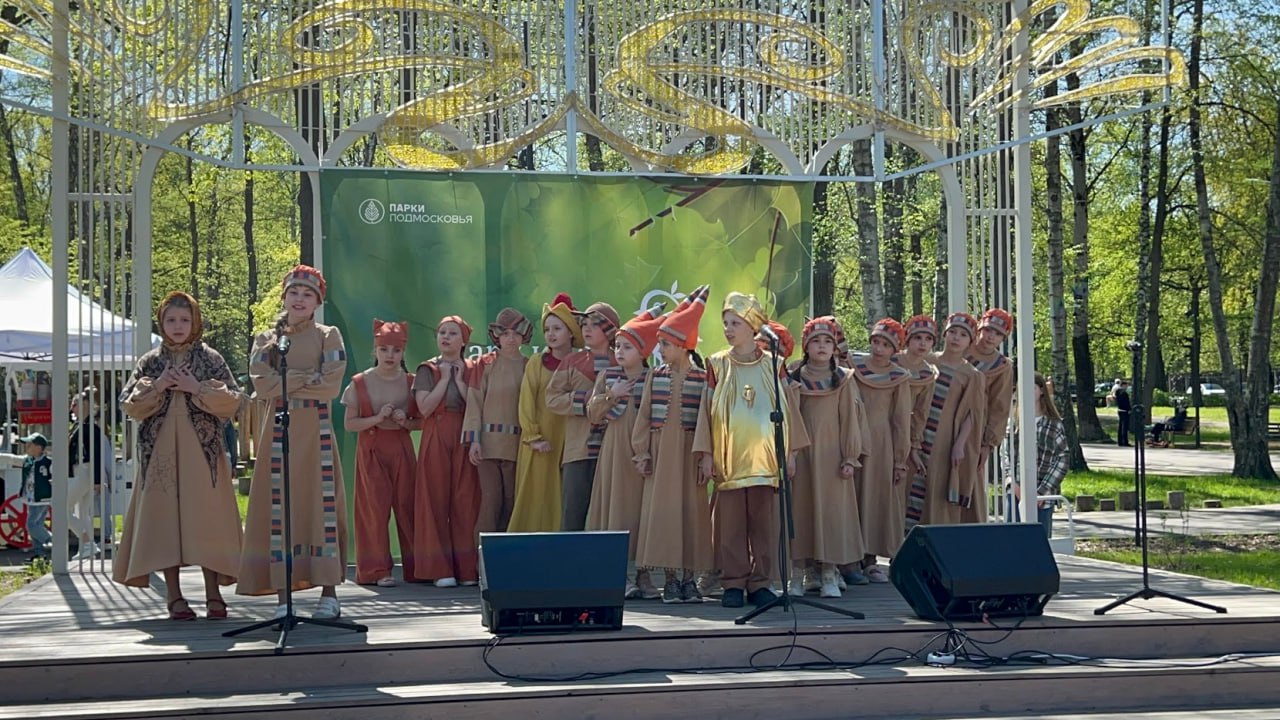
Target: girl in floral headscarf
pixel 183 510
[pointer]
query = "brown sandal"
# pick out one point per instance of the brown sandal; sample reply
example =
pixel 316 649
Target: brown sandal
pixel 186 613
pixel 215 613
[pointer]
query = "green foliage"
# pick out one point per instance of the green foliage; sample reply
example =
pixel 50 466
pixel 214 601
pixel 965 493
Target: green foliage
pixel 1232 491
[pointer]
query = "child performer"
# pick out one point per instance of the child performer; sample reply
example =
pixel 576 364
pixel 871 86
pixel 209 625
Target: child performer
pixel 734 441
pixel 567 395
pixel 675 519
pixel 886 398
pixel 994 326
pixel 922 335
pixel 492 422
pixel 825 502
pixel 183 510
pixel 618 489
pixel 317 360
pixel 382 411
pixel 448 493
pixel 949 446
pixel 538 501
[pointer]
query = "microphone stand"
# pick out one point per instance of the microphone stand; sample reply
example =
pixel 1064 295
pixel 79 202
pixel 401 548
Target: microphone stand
pixel 786 524
pixel 1137 418
pixel 290 619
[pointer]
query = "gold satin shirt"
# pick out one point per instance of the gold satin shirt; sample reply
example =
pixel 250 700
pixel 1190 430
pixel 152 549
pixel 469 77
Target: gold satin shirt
pixel 741 432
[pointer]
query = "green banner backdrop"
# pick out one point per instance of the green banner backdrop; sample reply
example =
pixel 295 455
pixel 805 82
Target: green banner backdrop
pixel 418 246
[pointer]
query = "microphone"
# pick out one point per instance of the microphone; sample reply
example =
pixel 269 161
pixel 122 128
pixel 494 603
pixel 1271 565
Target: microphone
pixel 768 332
pixel 282 340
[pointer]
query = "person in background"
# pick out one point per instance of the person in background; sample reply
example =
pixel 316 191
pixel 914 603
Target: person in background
pixel 90 444
pixel 37 488
pixel 1123 406
pixel 1051 452
pixel 1174 423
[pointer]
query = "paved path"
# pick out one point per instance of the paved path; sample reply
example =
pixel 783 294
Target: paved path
pixel 1164 461
pixel 1252 520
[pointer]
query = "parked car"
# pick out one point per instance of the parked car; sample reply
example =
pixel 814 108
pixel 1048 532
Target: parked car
pixel 1100 393
pixel 1209 389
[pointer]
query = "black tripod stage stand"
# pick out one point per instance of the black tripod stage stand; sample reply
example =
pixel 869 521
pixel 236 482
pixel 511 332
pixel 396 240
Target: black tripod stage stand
pixel 1137 418
pixel 290 619
pixel 786 526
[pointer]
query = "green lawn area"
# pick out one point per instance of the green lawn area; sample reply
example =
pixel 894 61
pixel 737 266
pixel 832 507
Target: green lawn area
pixel 1207 414
pixel 11 582
pixel 1213 424
pixel 1232 491
pixel 1249 560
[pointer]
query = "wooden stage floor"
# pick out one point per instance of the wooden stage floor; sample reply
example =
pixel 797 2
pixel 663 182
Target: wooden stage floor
pixel 85 615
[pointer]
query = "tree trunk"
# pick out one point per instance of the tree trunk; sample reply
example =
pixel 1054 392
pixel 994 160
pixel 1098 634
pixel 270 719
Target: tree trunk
pixel 868 225
pixel 1252 459
pixel 1154 375
pixel 15 171
pixel 1090 428
pixel 824 253
pixel 1057 282
pixel 193 232
pixel 1213 270
pixel 250 249
pixel 894 196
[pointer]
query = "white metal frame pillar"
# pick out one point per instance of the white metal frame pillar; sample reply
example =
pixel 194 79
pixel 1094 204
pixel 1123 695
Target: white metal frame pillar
pixel 60 226
pixel 1024 336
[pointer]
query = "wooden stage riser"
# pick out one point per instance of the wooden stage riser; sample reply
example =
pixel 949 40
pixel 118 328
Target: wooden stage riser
pixel 460 662
pixel 938 694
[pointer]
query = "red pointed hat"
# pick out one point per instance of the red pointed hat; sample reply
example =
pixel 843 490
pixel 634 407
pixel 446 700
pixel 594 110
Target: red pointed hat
pixel 306 276
pixel 562 307
pixel 786 341
pixel 462 325
pixel 681 324
pixel 890 330
pixel 964 321
pixel 642 330
pixel 997 319
pixel 922 324
pixel 394 334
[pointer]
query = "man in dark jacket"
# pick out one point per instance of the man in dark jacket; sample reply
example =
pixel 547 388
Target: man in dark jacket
pixel 1123 405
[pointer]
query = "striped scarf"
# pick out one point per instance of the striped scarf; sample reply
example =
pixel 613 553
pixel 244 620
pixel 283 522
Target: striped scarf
pixel 617 374
pixel 595 437
pixel 919 483
pixel 328 486
pixel 690 397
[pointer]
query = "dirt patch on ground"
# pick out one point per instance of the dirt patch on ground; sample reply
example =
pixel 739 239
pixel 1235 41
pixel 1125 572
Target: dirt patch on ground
pixel 1184 543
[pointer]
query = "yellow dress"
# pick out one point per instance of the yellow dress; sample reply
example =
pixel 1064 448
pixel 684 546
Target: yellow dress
pixel 537 506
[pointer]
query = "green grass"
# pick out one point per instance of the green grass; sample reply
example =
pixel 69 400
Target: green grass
pixel 11 582
pixel 1207 414
pixel 1232 491
pixel 1219 558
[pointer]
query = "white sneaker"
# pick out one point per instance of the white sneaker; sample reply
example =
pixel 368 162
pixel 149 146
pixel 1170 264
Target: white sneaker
pixel 327 609
pixel 447 582
pixel 281 611
pixel 830 586
pixel 469 583
pixel 795 588
pixel 88 551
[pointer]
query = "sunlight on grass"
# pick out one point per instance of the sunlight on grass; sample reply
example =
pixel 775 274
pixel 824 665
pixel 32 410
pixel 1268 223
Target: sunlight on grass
pixel 1232 491
pixel 1259 568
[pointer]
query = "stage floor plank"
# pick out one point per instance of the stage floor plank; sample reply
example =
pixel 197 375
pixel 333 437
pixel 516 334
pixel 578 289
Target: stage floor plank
pixel 85 615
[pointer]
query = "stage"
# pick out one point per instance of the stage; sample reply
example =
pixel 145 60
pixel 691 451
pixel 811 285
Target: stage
pixel 82 646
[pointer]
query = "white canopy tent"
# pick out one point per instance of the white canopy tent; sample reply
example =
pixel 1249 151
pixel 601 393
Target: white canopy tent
pixel 96 337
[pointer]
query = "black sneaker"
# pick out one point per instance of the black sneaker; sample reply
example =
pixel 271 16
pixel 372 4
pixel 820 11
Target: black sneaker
pixel 733 598
pixel 761 596
pixel 689 592
pixel 671 593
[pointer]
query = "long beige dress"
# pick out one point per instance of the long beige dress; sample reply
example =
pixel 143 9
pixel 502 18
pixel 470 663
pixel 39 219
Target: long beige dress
pixel 997 375
pixel 317 360
pixel 825 506
pixel 183 512
pixel 921 387
pixel 675 514
pixel 886 397
pixel 958 393
pixel 618 489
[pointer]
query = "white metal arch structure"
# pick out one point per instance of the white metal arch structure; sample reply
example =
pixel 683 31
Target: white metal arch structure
pixel 679 86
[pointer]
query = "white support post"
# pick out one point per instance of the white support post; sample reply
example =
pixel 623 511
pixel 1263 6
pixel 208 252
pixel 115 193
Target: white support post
pixel 60 227
pixel 1024 336
pixel 571 84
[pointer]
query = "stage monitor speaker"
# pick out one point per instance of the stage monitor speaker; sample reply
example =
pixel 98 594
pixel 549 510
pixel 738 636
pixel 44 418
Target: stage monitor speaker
pixel 552 582
pixel 968 572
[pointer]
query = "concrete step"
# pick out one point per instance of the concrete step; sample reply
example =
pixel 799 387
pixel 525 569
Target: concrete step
pixel 870 691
